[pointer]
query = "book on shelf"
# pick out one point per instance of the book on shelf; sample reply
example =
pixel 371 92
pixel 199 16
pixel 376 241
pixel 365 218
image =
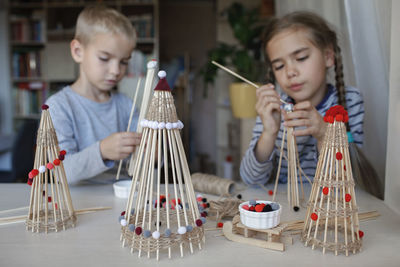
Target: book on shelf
pixel 144 25
pixel 26 64
pixel 28 98
pixel 28 29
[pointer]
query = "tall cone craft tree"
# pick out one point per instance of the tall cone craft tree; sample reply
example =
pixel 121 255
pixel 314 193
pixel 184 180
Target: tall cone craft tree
pixel 332 217
pixel 50 207
pixel 161 217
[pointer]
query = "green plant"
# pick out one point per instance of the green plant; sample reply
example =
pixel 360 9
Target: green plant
pixel 243 57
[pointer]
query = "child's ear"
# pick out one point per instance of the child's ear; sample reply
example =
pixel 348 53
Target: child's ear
pixel 329 57
pixel 76 50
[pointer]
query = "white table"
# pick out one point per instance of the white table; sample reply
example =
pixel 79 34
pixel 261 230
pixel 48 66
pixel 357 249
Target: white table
pixel 95 239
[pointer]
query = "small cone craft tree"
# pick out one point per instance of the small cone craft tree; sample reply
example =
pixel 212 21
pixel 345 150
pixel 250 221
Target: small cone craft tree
pixel 293 166
pixel 50 207
pixel 332 217
pixel 160 217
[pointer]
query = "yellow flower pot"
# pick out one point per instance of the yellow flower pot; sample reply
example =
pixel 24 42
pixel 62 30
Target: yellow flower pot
pixel 243 100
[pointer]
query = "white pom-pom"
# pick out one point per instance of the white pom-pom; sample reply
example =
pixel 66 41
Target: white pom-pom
pixel 288 107
pixel 143 123
pixel 162 74
pixel 123 222
pixel 154 125
pixel 161 125
pixel 180 125
pixel 42 169
pixel 168 125
pixel 152 64
pixel 156 234
pixel 182 230
pixel 174 125
pixel 199 195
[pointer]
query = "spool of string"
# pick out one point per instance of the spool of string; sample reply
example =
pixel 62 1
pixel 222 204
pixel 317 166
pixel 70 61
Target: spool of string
pixel 211 184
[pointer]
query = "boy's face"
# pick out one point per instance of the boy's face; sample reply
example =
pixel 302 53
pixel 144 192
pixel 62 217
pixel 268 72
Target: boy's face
pixel 104 60
pixel 299 66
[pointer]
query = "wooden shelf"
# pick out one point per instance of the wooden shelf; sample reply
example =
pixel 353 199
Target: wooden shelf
pixel 29 117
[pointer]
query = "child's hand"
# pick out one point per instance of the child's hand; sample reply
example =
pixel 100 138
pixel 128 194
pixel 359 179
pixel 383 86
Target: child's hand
pixel 305 114
pixel 119 145
pixel 268 108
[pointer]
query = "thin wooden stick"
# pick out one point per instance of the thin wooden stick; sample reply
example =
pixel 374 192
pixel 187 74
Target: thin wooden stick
pixel 240 77
pixel 130 121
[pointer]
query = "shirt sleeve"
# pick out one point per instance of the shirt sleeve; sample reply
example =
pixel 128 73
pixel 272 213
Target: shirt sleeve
pixel 355 108
pixel 251 170
pixel 78 165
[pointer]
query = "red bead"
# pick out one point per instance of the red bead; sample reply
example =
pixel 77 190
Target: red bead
pixel 50 166
pixel 44 106
pixel 339 117
pixel 347 197
pixel 30 181
pixel 270 192
pixel 63 152
pixel 56 162
pixel 123 213
pixel 203 214
pixel 35 172
pixel 199 222
pixel 361 233
pixel 220 225
pixel 204 205
pixel 138 230
pixel 44 193
pixel 339 156
pixel 61 157
pixel 314 216
pixel 199 199
pixel 48 199
pixel 325 190
pixel 344 167
pixel 56 206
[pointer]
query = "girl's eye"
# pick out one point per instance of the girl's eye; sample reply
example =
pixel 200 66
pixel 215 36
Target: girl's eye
pixel 302 58
pixel 278 67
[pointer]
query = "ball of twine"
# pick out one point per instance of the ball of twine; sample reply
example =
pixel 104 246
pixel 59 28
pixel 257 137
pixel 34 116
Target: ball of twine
pixel 211 184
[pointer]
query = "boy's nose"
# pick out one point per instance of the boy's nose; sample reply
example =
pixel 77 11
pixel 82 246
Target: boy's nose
pixel 115 69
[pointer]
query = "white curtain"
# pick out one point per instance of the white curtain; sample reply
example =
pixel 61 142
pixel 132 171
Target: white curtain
pixel 363 27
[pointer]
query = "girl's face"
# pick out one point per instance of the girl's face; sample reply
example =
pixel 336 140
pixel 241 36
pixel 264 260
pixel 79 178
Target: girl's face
pixel 299 66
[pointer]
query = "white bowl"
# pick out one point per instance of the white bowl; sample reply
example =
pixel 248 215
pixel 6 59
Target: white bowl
pixel 260 220
pixel 122 188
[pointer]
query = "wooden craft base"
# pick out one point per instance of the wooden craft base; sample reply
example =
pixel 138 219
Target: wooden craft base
pixel 264 238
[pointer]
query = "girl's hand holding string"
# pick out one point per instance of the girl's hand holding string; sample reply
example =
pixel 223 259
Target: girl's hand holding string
pixel 304 114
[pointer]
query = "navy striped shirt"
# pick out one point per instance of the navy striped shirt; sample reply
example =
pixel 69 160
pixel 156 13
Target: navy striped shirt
pixel 254 172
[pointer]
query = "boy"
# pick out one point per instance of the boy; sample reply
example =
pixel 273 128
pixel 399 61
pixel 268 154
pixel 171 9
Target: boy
pixel 88 117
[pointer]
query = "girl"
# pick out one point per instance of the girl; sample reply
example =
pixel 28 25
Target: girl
pixel 300 48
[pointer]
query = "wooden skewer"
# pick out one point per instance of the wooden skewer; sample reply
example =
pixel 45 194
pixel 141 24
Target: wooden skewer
pixel 130 120
pixel 240 77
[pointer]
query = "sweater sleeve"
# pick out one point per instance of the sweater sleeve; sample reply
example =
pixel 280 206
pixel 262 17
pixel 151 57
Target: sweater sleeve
pixel 251 170
pixel 355 108
pixel 78 164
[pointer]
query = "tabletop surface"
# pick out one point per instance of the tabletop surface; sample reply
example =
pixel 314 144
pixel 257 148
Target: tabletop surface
pixel 95 241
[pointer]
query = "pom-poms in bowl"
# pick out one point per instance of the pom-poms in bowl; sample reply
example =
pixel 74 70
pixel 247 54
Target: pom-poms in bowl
pixel 263 219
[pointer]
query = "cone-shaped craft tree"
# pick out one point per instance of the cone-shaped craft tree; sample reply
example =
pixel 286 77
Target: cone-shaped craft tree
pixel 293 166
pixel 50 207
pixel 332 217
pixel 159 217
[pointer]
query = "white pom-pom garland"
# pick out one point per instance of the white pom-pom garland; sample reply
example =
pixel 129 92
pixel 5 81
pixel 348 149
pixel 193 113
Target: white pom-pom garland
pixel 168 126
pixel 42 169
pixel 161 125
pixel 182 230
pixel 174 125
pixel 123 222
pixel 180 125
pixel 156 234
pixel 152 64
pixel 162 74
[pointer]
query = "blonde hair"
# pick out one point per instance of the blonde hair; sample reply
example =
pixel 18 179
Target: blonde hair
pixel 99 19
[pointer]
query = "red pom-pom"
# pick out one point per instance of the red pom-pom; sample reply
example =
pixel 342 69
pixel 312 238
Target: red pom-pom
pixel 199 222
pixel 50 166
pixel 325 190
pixel 203 214
pixel 35 172
pixel 220 225
pixel 347 197
pixel 339 156
pixel 56 162
pixel 48 199
pixel 30 180
pixel 199 199
pixel 252 208
pixel 123 213
pixel 339 117
pixel 314 216
pixel 330 119
pixel 61 157
pixel 361 233
pixel 245 207
pixel 138 230
pixel 44 107
pixel 63 152
pixel 270 192
pixel 30 175
pixel 259 208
